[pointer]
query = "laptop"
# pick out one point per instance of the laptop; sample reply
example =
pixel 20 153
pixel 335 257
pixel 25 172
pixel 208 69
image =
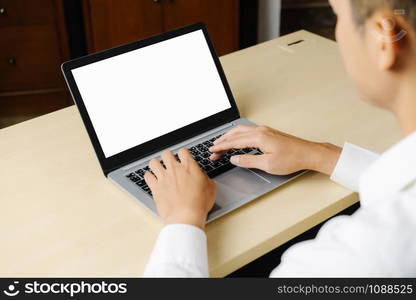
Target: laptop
pixel 165 92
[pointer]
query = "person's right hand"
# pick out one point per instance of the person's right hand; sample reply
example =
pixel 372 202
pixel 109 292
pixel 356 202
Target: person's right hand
pixel 283 153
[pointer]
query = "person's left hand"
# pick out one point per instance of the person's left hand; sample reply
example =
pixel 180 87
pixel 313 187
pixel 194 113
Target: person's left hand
pixel 283 153
pixel 182 192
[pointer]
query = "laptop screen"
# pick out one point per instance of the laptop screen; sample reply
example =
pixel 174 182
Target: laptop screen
pixel 143 94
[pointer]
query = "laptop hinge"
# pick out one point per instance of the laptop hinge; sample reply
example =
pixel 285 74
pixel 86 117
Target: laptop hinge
pixel 109 170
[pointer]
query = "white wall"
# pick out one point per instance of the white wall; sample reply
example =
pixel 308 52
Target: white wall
pixel 269 20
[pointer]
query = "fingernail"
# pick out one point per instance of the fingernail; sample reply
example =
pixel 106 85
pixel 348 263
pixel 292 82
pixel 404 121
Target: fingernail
pixel 235 160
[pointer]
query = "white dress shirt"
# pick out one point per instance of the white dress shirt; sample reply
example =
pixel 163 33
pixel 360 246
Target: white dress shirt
pixel 377 240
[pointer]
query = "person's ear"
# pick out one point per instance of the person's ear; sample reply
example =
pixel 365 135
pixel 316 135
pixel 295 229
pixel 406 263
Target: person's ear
pixel 385 33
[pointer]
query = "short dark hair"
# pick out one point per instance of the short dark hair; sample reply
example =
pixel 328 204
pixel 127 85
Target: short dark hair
pixel 363 9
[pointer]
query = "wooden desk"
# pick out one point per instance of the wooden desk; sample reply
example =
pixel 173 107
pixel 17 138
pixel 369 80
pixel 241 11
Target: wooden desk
pixel 60 217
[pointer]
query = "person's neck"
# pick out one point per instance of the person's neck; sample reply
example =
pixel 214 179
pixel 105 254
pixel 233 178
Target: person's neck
pixel 405 106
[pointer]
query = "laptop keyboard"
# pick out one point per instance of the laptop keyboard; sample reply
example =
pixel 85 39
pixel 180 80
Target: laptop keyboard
pixel 201 155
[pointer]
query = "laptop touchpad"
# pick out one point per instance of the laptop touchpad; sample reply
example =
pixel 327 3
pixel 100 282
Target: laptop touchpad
pixel 238 184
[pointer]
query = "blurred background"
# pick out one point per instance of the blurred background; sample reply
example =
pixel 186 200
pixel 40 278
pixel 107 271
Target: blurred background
pixel 36 36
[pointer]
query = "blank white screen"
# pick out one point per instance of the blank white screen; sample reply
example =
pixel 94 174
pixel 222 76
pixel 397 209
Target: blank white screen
pixel 143 94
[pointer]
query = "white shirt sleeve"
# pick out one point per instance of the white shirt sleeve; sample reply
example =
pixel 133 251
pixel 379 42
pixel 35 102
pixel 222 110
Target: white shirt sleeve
pixel 351 164
pixel 180 251
pixel 377 241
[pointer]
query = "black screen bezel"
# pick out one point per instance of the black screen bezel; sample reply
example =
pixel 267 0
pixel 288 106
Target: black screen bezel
pixel 121 159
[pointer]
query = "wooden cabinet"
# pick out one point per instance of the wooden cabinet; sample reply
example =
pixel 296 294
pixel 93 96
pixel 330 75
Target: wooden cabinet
pixel 33 45
pixel 36 36
pixel 113 22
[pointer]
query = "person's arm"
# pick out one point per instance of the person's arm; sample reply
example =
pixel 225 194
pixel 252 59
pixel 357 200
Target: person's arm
pixel 184 196
pixel 285 154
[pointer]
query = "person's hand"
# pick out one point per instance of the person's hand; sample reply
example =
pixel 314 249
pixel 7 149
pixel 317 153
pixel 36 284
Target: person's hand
pixel 182 192
pixel 283 153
